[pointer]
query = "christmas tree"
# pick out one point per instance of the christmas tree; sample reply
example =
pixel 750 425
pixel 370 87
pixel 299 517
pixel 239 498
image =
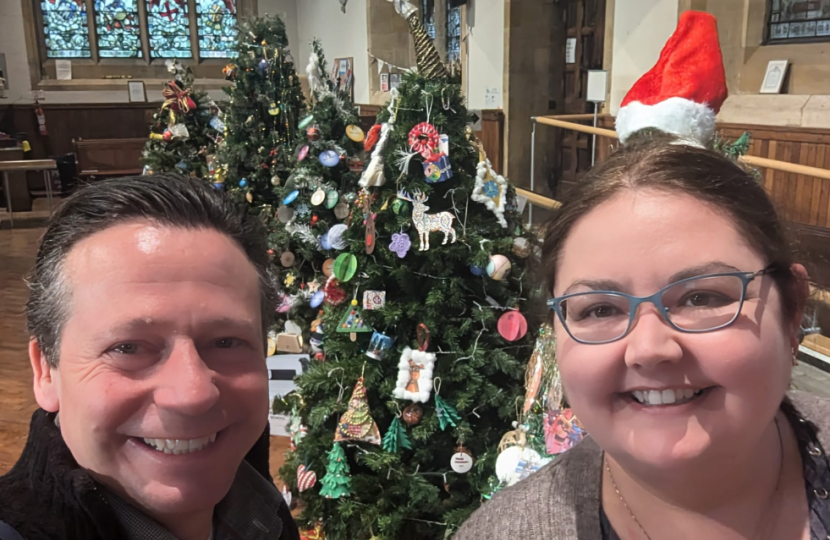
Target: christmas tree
pixel 315 200
pixel 266 102
pixel 433 258
pixel 185 130
pixel 336 483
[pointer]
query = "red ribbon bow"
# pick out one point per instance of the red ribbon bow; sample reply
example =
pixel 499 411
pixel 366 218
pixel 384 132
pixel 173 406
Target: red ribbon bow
pixel 176 98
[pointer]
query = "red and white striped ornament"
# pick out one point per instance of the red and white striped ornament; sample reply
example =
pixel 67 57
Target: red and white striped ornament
pixel 306 478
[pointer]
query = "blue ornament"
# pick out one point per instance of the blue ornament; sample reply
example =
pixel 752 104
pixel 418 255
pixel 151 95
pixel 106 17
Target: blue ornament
pixel 291 197
pixel 329 158
pixel 243 183
pixel 325 243
pixel 491 189
pixel 182 165
pixel 302 210
pixel 219 186
pixel 317 299
pixel 263 66
pixel 476 270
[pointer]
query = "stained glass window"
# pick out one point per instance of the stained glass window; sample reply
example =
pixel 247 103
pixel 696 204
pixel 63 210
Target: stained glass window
pixel 169 28
pixel 217 28
pixel 799 19
pixel 454 34
pixel 116 22
pixel 428 16
pixel 65 28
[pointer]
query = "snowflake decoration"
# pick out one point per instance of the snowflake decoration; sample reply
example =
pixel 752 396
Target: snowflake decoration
pixel 302 210
pixel 289 280
pixel 491 190
pixel 400 244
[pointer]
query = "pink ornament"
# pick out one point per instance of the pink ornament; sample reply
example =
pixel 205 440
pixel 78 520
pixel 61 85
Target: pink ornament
pixel 512 326
pixel 303 153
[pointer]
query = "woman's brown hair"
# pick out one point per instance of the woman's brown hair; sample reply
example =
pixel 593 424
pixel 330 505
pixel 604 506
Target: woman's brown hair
pixel 657 162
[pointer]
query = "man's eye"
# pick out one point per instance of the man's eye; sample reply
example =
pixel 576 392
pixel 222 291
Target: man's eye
pixel 126 348
pixel 228 343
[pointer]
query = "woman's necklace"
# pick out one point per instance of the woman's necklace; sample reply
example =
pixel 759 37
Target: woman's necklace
pixel 640 525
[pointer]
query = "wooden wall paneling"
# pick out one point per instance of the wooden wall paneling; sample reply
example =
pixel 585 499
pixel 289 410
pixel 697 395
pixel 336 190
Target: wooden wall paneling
pixel 492 137
pixel 816 188
pixel 824 214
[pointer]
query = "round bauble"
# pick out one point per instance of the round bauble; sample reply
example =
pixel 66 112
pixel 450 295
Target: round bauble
pixel 275 180
pixel 287 259
pixel 512 326
pixel 345 267
pixel 336 236
pixel 499 267
pixel 243 183
pixel 328 268
pixel 329 158
pixel 508 462
pixel 413 414
pixel 313 134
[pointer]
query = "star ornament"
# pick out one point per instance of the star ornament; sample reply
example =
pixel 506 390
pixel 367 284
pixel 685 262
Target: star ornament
pixel 400 244
pixel 289 280
pixel 491 190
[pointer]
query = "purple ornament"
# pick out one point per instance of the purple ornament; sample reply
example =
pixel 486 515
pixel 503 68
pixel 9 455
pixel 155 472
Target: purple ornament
pixel 400 244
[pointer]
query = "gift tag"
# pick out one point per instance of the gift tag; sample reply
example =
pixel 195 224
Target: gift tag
pixel 461 461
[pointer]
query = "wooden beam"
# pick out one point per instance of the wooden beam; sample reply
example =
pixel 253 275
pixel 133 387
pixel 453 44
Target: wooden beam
pixel 538 200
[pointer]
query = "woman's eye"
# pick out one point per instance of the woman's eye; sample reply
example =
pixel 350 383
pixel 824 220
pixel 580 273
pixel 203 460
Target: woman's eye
pixel 600 312
pixel 705 300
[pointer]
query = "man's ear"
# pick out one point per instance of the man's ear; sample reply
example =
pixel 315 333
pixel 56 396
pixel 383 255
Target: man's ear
pixel 45 379
pixel 802 291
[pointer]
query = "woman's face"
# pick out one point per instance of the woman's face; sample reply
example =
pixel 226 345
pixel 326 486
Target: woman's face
pixel 641 240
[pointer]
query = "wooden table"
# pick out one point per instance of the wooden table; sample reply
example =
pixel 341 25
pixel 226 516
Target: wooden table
pixel 44 165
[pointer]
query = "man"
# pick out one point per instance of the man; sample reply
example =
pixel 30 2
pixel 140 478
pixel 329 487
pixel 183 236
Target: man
pixel 150 300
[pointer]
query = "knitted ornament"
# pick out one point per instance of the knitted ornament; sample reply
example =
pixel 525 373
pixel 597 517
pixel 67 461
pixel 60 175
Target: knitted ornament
pixel 684 91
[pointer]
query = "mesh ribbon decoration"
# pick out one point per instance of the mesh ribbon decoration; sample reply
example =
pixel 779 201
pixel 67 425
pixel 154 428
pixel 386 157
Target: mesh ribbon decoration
pixel 423 139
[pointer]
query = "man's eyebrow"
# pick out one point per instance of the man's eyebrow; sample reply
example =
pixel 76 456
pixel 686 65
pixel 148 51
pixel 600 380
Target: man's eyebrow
pixel 143 323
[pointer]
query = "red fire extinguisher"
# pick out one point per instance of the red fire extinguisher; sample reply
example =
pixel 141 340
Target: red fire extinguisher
pixel 41 119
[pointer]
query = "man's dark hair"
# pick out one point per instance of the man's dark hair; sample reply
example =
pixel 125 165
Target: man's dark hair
pixel 165 199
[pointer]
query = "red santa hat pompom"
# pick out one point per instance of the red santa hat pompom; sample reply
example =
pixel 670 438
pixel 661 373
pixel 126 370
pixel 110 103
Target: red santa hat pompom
pixel 684 91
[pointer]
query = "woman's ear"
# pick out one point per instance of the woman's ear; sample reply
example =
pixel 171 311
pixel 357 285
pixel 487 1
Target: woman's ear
pixel 45 379
pixel 802 292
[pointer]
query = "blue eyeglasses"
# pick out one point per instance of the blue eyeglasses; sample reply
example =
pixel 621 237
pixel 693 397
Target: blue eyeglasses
pixel 694 305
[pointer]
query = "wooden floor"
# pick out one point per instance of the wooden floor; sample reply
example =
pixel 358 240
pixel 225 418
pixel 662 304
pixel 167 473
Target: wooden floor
pixel 17 253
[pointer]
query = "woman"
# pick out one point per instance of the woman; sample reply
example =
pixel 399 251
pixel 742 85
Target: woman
pixel 677 317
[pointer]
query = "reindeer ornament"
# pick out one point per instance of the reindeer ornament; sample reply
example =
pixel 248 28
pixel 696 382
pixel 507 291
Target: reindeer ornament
pixel 427 223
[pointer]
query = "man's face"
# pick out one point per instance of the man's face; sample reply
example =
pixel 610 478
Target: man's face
pixel 162 348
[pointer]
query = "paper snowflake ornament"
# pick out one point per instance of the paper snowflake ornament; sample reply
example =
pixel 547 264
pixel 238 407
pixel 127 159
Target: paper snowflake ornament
pixel 415 375
pixel 491 190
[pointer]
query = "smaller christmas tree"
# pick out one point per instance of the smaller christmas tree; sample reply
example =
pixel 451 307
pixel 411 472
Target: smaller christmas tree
pixel 337 482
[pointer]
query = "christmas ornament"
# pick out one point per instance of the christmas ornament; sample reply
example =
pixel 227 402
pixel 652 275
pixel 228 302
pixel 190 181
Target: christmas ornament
pixel 331 198
pixel 285 214
pixel 354 133
pixel 290 343
pixel 379 345
pixel 317 299
pixel 335 295
pixel 284 304
pixel 423 138
pixel 303 153
pixel 352 322
pixel 427 223
pixel 217 124
pixel 357 424
pixel 413 414
pixel 499 267
pixel 229 71
pixel 444 144
pixel 328 268
pixel 684 91
pixel 396 437
pixel 374 300
pixel 306 478
pixel 562 431
pixel 337 483
pixel 273 110
pixel 263 66
pixel 289 279
pixel 287 259
pixel 329 158
pixel 345 267
pixel 400 244
pixel 462 460
pixel 415 370
pixel 291 197
pixel 305 122
pixel 490 189
pixel 447 415
pixel 335 236
pixel 286 495
pixel 373 175
pixel 369 222
pixel 517 463
pixel 313 534
pixel 243 183
pixel 372 138
pixel 318 197
pixel 438 169
pixel 317 333
pixel 275 180
pixel 302 210
pixel 341 210
pixel 177 98
pixel 313 134
pixel 272 343
pixel 512 326
pixel 429 62
pixel 355 164
pixel 476 270
pixel 521 247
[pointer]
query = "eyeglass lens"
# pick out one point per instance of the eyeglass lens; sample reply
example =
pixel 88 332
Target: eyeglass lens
pixel 701 304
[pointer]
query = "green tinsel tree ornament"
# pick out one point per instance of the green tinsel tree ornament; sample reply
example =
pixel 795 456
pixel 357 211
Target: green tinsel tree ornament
pixel 396 437
pixel 447 415
pixel 337 482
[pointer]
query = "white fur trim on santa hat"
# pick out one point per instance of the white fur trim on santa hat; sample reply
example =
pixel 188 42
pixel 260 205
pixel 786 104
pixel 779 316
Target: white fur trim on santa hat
pixel 694 122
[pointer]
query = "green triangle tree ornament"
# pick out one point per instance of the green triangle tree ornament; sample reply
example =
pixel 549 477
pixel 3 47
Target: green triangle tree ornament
pixel 337 482
pixel 396 437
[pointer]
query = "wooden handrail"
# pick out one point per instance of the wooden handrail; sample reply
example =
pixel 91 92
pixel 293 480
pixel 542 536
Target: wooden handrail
pixel 784 166
pixel 539 200
pixel 28 165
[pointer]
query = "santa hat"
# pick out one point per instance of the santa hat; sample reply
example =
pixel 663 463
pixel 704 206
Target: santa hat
pixel 684 91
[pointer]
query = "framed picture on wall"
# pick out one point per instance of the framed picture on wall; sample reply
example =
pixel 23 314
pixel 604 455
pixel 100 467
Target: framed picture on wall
pixel 136 91
pixel 774 78
pixel 384 82
pixel 344 75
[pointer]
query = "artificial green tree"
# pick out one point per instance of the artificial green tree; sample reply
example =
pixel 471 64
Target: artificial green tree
pixel 438 307
pixel 185 129
pixel 265 103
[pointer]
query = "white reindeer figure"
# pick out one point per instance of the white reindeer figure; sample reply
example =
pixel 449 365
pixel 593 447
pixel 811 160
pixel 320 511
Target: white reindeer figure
pixel 427 223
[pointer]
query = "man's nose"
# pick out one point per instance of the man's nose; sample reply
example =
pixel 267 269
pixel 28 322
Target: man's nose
pixel 187 385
